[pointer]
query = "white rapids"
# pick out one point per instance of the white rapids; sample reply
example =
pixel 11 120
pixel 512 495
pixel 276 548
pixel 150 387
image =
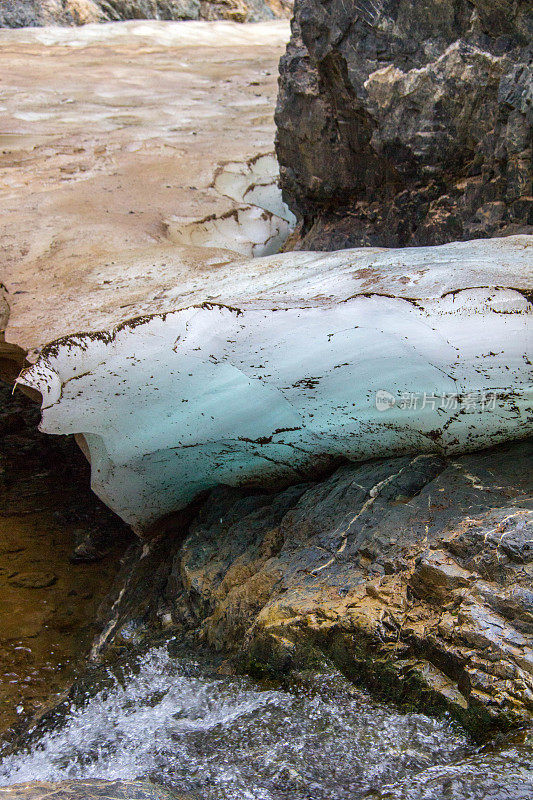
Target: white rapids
pixel 233 739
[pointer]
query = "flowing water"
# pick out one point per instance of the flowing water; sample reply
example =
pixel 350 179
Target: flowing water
pixel 232 738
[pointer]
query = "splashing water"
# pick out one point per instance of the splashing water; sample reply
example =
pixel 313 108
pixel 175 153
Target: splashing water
pixel 178 722
pixel 231 738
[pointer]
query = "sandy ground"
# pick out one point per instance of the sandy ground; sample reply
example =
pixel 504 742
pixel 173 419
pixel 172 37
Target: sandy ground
pixel 107 133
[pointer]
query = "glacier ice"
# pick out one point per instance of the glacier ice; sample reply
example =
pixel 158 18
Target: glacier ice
pixel 258 226
pixel 264 370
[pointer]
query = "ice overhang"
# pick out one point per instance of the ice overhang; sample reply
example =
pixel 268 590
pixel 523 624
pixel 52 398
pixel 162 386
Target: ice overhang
pixel 255 371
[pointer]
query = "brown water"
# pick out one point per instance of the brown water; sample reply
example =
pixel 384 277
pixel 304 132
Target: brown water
pixel 112 135
pixel 47 604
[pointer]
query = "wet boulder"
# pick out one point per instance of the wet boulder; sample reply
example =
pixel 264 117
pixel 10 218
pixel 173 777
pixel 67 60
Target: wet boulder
pixel 391 569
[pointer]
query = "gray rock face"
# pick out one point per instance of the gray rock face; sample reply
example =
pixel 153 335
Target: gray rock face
pixel 413 575
pixel 23 13
pixel 407 123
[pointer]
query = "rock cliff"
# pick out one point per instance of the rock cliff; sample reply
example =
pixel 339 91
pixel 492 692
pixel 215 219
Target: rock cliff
pixel 90 790
pixel 405 123
pixel 21 13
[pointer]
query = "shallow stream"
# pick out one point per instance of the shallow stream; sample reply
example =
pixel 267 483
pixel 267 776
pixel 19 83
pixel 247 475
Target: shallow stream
pixel 183 723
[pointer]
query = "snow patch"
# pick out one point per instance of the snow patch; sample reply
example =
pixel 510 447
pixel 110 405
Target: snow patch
pixel 267 387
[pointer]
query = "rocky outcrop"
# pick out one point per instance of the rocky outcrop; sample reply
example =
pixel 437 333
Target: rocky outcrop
pixel 413 575
pixel 21 13
pixel 404 123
